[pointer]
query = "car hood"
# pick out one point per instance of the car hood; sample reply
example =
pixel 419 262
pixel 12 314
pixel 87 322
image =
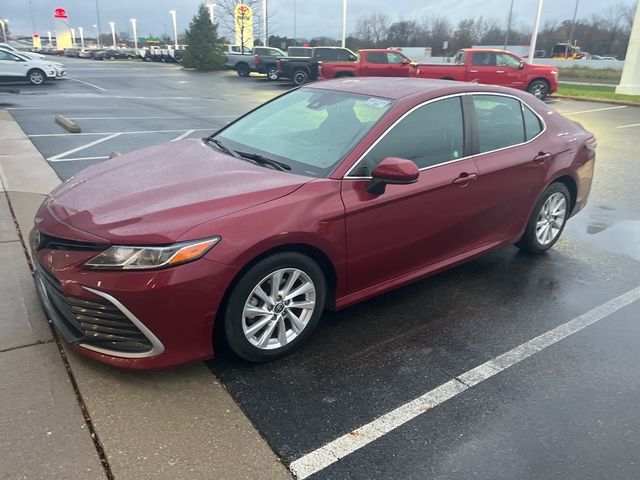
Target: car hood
pixel 156 195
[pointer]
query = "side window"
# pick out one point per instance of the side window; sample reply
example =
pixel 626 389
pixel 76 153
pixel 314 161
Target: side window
pixel 343 55
pixel 428 136
pixel 505 60
pixel 5 56
pixel 484 59
pixel 394 58
pixel 235 49
pixel 461 58
pixel 500 122
pixel 376 57
pixel 261 51
pixel 328 55
pixel 532 126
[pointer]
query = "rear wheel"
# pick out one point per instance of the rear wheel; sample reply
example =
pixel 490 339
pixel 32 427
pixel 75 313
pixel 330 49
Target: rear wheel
pixel 272 73
pixel 548 219
pixel 36 77
pixel 539 88
pixel 300 77
pixel 274 307
pixel 243 70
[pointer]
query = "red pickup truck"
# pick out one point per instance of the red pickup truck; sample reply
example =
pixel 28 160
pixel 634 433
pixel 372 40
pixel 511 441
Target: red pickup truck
pixel 370 63
pixel 495 67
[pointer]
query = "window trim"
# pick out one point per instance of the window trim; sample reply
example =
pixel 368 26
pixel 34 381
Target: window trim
pixel 466 127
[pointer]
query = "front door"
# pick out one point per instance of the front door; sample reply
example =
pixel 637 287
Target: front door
pixel 412 226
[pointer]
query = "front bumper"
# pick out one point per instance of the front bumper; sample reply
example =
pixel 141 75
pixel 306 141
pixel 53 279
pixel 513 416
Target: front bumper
pixel 132 319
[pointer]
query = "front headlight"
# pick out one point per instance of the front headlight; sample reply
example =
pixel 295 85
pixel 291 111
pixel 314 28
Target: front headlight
pixel 140 258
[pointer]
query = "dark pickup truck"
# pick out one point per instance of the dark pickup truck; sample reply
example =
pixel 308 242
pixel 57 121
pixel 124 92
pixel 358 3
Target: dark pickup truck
pixel 301 70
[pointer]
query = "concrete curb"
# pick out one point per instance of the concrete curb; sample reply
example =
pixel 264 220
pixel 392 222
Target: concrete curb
pixel 67 124
pixel 595 100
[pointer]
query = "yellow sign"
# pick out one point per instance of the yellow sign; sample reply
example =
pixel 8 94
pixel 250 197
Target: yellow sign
pixel 243 15
pixel 37 43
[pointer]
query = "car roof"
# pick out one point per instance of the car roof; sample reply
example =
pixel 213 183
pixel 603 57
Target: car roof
pixel 396 88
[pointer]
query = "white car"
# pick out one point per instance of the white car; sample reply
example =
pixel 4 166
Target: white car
pixel 9 48
pixel 15 67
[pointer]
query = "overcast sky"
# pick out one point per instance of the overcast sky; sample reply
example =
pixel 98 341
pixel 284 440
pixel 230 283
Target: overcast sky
pixel 314 17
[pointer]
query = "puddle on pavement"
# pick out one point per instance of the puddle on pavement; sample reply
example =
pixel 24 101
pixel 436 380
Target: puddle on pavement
pixel 608 229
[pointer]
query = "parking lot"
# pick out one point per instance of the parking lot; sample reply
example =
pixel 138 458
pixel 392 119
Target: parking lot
pixel 391 388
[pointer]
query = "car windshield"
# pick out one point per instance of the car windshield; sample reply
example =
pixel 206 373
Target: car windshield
pixel 311 130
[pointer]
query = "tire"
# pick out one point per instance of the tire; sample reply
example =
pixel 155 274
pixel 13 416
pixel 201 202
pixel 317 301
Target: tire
pixel 543 220
pixel 300 77
pixel 275 333
pixel 36 76
pixel 539 88
pixel 243 70
pixel 272 73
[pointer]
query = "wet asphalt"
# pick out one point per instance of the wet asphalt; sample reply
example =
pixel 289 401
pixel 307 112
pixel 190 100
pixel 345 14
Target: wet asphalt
pixel 571 411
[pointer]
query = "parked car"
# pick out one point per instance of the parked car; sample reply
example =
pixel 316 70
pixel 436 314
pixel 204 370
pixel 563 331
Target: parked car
pixel 8 48
pixel 72 52
pixel 495 67
pixel 299 51
pixel 15 67
pixel 301 70
pixel 231 49
pixel 265 60
pixel 323 197
pixel 370 63
pixel 113 54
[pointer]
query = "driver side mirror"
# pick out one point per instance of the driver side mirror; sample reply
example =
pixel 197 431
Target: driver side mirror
pixel 352 58
pixel 394 171
pixel 521 65
pixel 406 61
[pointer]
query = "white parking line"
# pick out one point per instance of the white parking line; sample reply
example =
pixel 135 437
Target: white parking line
pixel 184 135
pixel 141 118
pixel 90 84
pixel 38 135
pixel 58 157
pixel 78 158
pixel 341 447
pixel 629 126
pixel 595 110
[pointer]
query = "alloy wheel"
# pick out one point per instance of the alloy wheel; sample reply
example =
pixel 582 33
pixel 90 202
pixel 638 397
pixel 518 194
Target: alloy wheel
pixel 278 308
pixel 36 78
pixel 551 218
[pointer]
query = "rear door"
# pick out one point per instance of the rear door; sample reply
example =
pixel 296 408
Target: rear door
pixel 412 226
pixel 484 69
pixel 513 159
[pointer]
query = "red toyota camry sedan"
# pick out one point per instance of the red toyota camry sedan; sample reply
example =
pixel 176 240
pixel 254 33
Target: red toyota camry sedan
pixel 323 197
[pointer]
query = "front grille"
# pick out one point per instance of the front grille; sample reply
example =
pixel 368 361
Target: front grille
pixel 55 243
pixel 99 323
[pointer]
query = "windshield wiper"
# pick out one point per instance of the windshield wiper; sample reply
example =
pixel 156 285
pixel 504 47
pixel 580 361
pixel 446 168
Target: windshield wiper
pixel 218 143
pixel 256 157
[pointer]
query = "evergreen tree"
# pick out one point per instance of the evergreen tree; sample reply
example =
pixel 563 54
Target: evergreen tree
pixel 205 48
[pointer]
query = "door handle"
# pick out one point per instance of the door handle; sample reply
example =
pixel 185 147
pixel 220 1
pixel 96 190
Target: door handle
pixel 499 71
pixel 542 157
pixel 465 178
pixel 473 71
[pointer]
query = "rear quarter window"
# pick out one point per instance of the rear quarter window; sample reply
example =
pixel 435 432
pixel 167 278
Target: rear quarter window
pixel 532 124
pixel 500 122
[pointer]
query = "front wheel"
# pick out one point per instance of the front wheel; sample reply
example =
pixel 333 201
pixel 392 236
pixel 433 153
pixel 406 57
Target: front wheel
pixel 539 88
pixel 300 77
pixel 274 307
pixel 547 220
pixel 272 73
pixel 36 77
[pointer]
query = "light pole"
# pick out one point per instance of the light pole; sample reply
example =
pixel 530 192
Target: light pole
pixel 534 35
pixel 506 36
pixel 113 33
pixel 97 25
pixel 73 37
pixel 573 23
pixel 175 28
pixel 265 36
pixel 344 23
pixel 135 33
pixel 4 30
pixel 81 31
pixel 50 41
